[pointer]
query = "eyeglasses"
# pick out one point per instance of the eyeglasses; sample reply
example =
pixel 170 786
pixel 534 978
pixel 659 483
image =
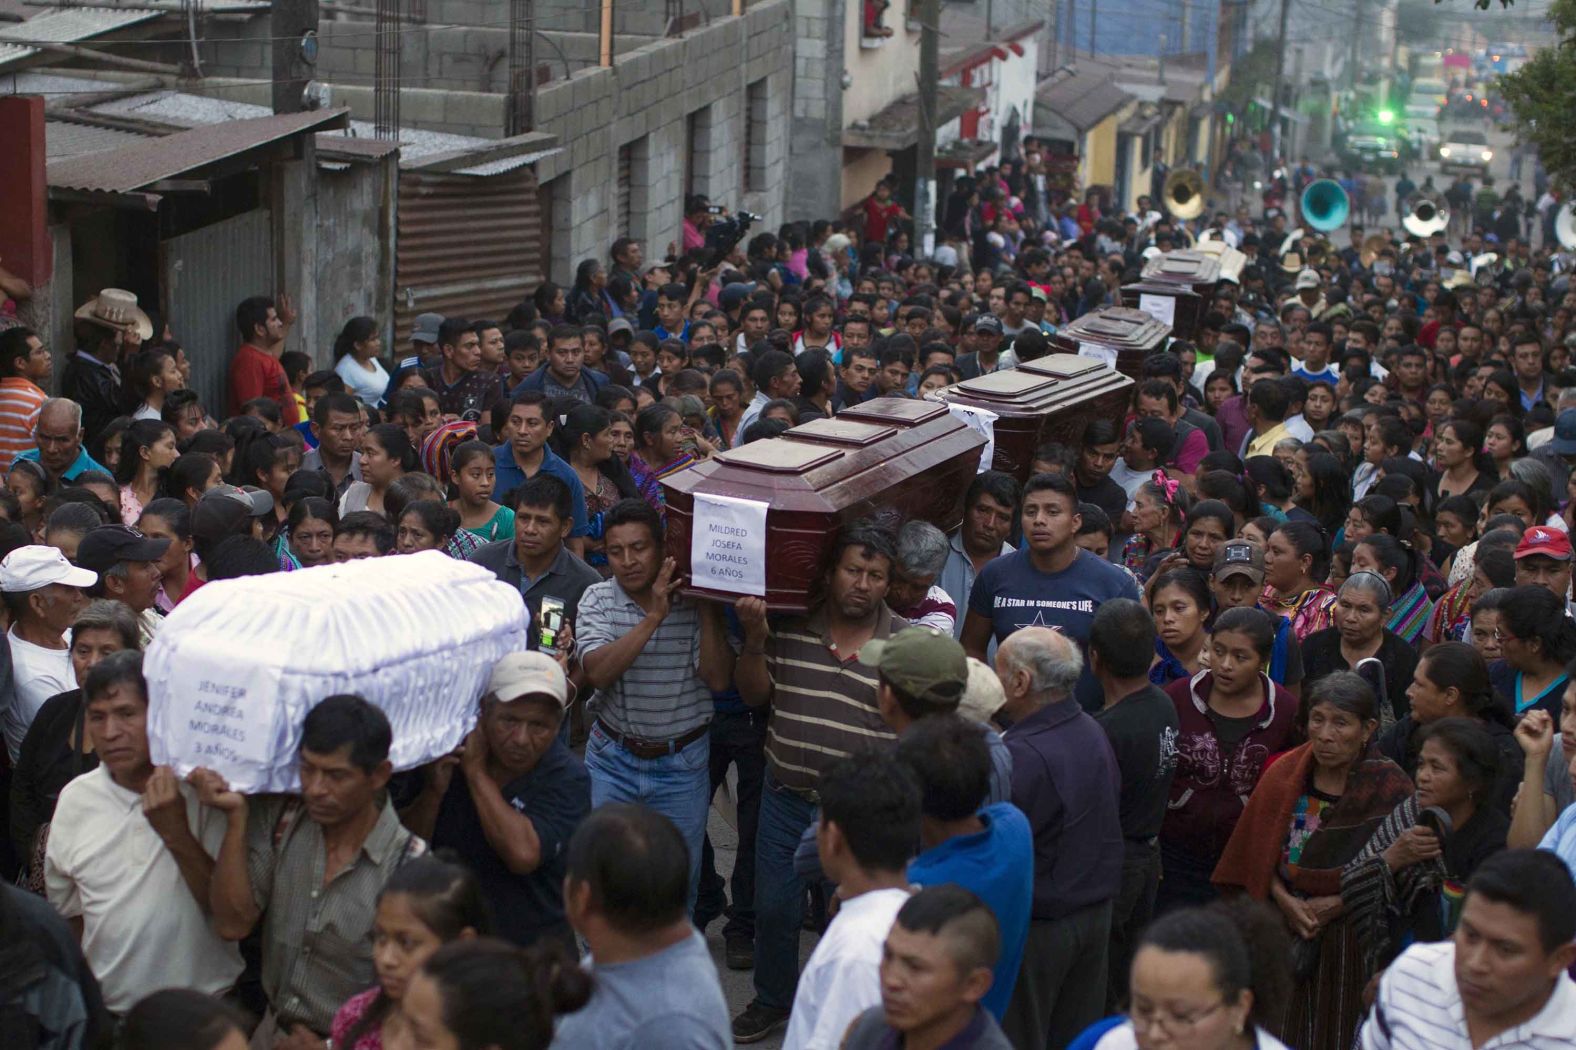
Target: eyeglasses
pixel 1170 1023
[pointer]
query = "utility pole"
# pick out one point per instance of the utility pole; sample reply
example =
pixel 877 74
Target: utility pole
pixel 1056 35
pixel 925 148
pixel 1357 37
pixel 294 52
pixel 1280 82
pixel 1092 48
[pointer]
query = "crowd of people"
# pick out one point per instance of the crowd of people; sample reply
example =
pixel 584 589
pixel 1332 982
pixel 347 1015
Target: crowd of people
pixel 1245 720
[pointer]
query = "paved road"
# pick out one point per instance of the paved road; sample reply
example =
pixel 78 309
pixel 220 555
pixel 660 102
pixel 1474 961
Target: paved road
pixel 737 985
pixel 1501 142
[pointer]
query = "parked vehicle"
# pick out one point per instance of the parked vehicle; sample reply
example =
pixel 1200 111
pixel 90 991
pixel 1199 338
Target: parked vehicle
pixel 1465 150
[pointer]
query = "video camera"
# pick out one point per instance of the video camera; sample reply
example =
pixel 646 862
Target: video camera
pixel 725 233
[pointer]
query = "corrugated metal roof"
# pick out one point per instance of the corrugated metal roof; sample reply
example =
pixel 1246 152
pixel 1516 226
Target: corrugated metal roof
pixel 63 139
pixel 67 25
pixel 51 85
pixel 337 145
pixel 144 163
pixel 1082 99
pixel 897 126
pixel 175 107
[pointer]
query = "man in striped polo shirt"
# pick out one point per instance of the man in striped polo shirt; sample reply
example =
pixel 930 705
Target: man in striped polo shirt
pixel 1502 981
pixel 25 366
pixel 823 708
pixel 654 659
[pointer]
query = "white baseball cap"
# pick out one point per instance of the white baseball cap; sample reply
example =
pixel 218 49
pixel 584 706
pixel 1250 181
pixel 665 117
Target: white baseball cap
pixel 1307 279
pixel 519 675
pixel 35 566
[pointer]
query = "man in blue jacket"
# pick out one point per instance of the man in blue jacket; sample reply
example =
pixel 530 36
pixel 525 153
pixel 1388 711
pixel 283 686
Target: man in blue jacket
pixel 564 374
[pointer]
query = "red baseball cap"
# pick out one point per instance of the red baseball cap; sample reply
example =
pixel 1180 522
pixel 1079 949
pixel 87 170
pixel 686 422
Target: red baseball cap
pixel 1542 540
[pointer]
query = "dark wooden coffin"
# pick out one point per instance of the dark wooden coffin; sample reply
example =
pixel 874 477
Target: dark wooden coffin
pixel 1199 270
pixel 1162 299
pixel 914 457
pixel 1117 335
pixel 1050 399
pixel 1231 260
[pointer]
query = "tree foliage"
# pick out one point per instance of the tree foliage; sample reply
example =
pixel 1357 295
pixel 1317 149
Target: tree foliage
pixel 1542 97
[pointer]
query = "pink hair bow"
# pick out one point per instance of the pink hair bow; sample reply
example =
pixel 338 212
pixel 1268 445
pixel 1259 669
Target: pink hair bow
pixel 1167 485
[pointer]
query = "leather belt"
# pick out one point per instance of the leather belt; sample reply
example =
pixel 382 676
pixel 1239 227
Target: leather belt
pixel 652 748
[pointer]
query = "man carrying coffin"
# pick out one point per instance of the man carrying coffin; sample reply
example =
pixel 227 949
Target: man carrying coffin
pixel 823 703
pixel 509 802
pixel 654 659
pixel 311 868
pixel 130 855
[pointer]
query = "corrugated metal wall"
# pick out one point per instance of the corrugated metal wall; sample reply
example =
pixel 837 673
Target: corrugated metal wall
pixel 467 245
pixel 206 274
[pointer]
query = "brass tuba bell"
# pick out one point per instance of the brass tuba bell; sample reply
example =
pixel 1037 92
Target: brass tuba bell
pixel 1183 194
pixel 1373 244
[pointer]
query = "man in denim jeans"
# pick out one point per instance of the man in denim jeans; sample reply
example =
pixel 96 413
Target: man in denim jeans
pixel 654 659
pixel 738 738
pixel 823 708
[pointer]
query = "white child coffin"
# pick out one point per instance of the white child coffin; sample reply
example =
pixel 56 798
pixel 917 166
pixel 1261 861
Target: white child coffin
pixel 236 667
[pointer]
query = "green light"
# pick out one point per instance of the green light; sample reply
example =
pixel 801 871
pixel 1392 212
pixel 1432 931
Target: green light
pixel 1386 117
pixel 1231 118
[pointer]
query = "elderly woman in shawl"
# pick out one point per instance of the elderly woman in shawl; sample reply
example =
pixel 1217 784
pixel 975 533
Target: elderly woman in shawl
pixel 1311 814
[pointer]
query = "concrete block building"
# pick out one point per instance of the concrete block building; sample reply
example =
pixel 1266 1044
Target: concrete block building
pixel 510 169
pixel 690 104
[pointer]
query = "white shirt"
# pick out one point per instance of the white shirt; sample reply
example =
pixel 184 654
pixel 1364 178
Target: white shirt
pixel 843 977
pixel 940 611
pixel 1298 428
pixel 37 674
pixel 1363 478
pixel 146 411
pixel 142 929
pixel 1419 1008
pixel 368 386
pixel 752 412
pixel 1130 480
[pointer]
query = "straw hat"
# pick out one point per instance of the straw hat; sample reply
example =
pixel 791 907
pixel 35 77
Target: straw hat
pixel 116 308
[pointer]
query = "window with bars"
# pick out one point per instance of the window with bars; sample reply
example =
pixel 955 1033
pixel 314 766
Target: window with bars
pixel 754 138
pixel 623 190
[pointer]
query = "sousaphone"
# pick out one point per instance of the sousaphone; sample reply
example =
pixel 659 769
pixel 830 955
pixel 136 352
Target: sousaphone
pixel 1565 225
pixel 1372 245
pixel 1427 217
pixel 1183 194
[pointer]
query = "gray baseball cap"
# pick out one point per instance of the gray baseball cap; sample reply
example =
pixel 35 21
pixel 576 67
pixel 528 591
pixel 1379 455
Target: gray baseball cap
pixel 426 330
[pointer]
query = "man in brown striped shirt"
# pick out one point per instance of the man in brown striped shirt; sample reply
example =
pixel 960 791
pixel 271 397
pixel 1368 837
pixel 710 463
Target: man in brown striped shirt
pixel 823 708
